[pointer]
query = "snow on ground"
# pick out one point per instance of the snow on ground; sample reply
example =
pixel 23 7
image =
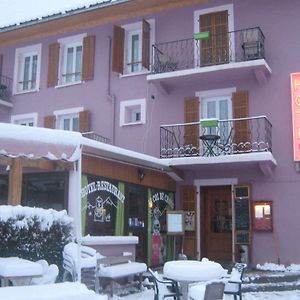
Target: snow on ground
pixel 289 295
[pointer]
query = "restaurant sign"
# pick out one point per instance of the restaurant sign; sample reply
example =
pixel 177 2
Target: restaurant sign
pixel 295 93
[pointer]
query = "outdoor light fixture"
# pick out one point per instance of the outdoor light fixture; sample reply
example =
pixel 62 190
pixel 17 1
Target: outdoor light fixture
pixel 141 174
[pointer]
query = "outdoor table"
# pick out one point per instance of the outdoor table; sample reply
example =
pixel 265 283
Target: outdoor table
pixel 19 271
pixel 188 271
pixel 209 141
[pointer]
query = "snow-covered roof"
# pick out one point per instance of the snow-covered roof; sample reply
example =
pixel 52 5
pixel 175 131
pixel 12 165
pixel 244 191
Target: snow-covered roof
pixel 18 13
pixel 36 143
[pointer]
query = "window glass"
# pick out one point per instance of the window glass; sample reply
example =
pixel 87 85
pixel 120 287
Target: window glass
pixel 69 122
pixel 73 64
pixel 27 67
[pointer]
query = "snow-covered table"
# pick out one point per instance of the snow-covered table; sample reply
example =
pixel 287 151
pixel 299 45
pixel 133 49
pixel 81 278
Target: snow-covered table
pixel 57 291
pixel 18 270
pixel 188 271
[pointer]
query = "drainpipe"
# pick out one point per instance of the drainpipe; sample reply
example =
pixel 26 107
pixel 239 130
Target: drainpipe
pixel 233 223
pixel 110 97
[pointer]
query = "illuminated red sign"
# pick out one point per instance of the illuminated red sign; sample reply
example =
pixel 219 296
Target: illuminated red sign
pixel 295 92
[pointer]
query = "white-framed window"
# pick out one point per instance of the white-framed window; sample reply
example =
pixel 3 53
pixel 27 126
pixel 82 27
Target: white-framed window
pixel 27 69
pixel 70 65
pixel 133 112
pixel 133 46
pixel 68 119
pixel 25 119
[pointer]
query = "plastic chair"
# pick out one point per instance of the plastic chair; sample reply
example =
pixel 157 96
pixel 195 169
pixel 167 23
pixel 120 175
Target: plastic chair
pixel 214 291
pixel 164 288
pixel 234 285
pixel 49 275
pixel 88 262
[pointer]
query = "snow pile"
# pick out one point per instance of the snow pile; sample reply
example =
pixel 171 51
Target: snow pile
pixel 278 268
pixel 26 216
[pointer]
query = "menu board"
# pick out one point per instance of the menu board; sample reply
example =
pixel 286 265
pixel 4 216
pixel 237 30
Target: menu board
pixel 175 222
pixel 242 214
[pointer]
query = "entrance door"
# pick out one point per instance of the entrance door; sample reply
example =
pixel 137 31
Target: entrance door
pixel 215 50
pixel 136 212
pixel 216 221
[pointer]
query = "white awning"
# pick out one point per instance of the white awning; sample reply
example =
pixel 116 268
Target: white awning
pixel 37 143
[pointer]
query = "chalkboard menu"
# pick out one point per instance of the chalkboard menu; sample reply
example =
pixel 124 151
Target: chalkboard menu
pixel 242 237
pixel 242 216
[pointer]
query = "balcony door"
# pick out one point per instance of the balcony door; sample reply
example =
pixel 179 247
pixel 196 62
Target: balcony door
pixel 219 107
pixel 214 50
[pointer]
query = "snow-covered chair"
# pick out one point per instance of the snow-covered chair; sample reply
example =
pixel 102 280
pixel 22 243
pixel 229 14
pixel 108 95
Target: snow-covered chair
pixel 88 265
pixel 207 291
pixel 234 285
pixel 164 288
pixel 50 273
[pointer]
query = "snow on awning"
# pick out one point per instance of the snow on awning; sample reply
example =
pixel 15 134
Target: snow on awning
pixel 36 143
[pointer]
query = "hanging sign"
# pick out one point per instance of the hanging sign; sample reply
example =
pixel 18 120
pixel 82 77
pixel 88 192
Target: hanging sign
pixel 295 93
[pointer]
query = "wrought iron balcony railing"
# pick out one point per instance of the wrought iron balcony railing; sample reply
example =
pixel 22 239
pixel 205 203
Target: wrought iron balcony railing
pixel 5 88
pixel 235 46
pixel 222 137
pixel 96 137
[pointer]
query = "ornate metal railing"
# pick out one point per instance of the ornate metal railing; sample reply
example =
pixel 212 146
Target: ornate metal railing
pixel 226 137
pixel 235 46
pixel 5 88
pixel 96 137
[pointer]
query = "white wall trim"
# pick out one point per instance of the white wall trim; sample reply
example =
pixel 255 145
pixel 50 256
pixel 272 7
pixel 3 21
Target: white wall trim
pixel 228 7
pixel 198 183
pixel 20 52
pixel 68 111
pixel 72 39
pixel 215 182
pixel 130 103
pixel 216 93
pixel 19 117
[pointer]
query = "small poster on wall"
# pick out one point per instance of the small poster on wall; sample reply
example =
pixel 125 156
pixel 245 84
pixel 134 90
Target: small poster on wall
pixel 189 220
pixel 175 222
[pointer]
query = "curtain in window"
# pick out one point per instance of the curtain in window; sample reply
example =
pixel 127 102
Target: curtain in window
pixel 120 212
pixel 33 72
pixel 78 63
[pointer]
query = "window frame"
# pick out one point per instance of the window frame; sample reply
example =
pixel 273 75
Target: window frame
pixel 31 117
pixel 131 107
pixel 65 114
pixel 129 30
pixel 20 55
pixel 65 44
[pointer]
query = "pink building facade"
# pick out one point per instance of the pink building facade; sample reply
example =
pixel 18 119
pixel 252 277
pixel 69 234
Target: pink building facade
pixel 215 106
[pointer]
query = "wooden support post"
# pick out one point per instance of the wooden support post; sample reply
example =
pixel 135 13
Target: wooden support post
pixel 15 182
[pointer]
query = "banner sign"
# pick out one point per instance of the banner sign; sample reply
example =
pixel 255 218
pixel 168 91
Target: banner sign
pixel 295 93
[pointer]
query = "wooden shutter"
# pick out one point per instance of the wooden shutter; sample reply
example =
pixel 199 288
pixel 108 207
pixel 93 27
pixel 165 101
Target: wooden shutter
pixel 49 122
pixel 189 203
pixel 215 50
pixel 240 109
pixel 146 45
pixel 118 49
pixel 88 59
pixel 191 114
pixel 84 121
pixel 1 63
pixel 53 60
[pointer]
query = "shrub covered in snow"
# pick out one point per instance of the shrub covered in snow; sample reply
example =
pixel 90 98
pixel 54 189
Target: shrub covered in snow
pixel 34 233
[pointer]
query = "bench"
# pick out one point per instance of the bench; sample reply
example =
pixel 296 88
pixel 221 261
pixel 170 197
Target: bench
pixel 116 267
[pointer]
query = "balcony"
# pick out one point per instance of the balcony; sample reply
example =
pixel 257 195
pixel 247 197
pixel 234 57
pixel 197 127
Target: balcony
pixel 96 137
pixel 212 141
pixel 5 91
pixel 213 57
